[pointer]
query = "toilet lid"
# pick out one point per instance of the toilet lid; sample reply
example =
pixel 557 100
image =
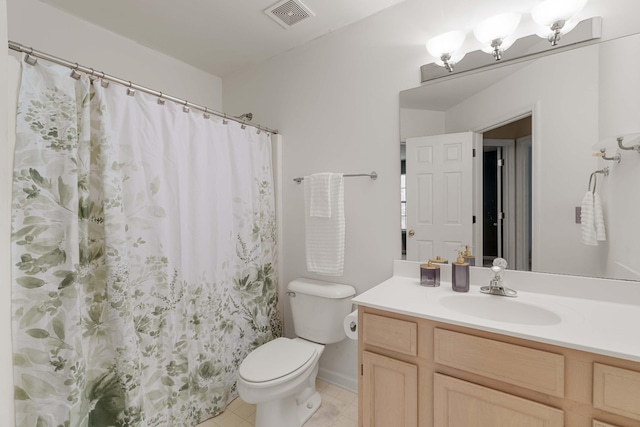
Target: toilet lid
pixel 275 359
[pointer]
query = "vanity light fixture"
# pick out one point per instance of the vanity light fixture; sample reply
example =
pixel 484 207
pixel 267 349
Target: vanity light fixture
pixel 494 33
pixel 557 17
pixel 445 47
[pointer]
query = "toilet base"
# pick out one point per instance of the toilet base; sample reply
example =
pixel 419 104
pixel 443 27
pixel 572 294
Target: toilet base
pixel 288 404
pixel 287 412
pixel 309 407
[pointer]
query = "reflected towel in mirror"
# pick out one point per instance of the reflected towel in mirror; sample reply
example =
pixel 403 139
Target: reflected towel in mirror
pixel 592 219
pixel 601 234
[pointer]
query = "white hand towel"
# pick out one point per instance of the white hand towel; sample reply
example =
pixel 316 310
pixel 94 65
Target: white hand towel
pixel 601 234
pixel 587 220
pixel 325 235
pixel 320 204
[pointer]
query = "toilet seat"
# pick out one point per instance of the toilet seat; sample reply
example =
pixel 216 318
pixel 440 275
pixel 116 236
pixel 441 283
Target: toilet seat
pixel 275 360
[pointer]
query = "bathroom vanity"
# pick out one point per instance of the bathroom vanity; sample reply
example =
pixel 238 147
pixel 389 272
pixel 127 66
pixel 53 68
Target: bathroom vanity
pixel 565 352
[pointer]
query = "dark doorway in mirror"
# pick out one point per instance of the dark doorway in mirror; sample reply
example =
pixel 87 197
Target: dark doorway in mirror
pixel 506 194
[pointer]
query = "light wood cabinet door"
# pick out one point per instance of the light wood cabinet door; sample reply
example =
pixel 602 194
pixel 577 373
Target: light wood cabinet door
pixel 390 392
pixel 616 390
pixel 597 423
pixel 459 403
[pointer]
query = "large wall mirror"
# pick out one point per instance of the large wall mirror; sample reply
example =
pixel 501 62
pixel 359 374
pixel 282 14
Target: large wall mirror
pixel 535 127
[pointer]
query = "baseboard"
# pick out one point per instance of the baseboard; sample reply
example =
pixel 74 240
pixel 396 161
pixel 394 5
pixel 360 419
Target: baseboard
pixel 338 379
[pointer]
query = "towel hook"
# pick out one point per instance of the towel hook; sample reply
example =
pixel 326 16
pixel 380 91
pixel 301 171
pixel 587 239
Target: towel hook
pixel 635 148
pixel 594 178
pixel 591 179
pixel 603 154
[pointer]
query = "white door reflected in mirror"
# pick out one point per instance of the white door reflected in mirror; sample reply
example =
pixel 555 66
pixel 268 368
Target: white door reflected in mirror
pixel 439 194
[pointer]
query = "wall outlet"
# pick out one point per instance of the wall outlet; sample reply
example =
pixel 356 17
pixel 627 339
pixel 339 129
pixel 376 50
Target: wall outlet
pixel 578 215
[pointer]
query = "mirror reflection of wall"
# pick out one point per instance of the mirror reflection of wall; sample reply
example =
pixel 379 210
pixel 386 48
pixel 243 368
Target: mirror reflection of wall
pixel 573 100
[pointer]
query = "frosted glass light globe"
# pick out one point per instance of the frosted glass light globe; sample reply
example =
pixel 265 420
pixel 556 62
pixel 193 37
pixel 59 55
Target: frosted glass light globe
pixel 551 11
pixel 446 43
pixel 497 27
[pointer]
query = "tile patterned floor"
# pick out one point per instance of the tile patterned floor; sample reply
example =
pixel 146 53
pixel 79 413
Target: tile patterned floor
pixel 339 408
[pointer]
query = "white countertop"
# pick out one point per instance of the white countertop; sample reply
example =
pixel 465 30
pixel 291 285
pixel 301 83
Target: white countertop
pixel 588 321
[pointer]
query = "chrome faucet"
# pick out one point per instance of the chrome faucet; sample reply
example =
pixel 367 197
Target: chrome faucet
pixel 496 286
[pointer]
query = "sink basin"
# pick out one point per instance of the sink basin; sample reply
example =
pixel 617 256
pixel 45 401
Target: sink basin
pixel 500 309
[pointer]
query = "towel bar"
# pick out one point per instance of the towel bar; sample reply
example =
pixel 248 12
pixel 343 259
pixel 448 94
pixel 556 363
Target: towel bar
pixel 373 175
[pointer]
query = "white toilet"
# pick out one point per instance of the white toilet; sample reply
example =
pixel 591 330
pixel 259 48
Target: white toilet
pixel 280 376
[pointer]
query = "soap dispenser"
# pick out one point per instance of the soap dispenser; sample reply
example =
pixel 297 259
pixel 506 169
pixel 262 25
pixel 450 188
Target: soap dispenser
pixel 460 274
pixel 468 257
pixel 430 274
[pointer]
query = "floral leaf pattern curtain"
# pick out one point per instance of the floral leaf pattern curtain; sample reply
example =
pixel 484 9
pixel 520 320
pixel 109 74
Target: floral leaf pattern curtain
pixel 144 256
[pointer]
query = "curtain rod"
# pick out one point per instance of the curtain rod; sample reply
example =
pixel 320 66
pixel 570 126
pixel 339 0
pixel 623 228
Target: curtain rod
pixel 101 75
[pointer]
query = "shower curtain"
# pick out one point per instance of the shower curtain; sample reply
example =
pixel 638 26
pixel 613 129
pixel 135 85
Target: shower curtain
pixel 144 253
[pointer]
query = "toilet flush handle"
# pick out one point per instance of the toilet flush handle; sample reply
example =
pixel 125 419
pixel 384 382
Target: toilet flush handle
pixel 291 294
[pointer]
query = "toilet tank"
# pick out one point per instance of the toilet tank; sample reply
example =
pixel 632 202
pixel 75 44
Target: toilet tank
pixel 319 308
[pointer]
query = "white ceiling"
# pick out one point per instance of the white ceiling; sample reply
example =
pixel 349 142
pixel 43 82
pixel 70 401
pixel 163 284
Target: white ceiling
pixel 217 36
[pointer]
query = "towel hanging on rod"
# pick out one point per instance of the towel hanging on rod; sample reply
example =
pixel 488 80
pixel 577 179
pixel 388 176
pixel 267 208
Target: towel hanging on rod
pixel 591 216
pixel 373 175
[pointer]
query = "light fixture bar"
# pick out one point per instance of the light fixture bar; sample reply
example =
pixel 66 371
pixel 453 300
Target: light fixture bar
pixel 525 48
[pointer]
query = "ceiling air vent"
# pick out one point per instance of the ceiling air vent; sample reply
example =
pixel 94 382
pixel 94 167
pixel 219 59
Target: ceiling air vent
pixel 288 12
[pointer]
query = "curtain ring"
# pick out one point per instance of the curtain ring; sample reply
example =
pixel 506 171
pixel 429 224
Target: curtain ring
pixel 74 72
pixel 224 120
pixel 161 99
pixel 104 83
pixel 130 90
pixel 206 114
pixel 186 108
pixel 30 59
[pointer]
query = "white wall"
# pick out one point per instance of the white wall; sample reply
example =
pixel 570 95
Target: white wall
pixel 35 24
pixel 414 122
pixel 335 100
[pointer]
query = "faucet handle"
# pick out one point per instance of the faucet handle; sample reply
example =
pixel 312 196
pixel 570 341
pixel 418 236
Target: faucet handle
pixel 500 262
pixel 496 269
pixel 495 286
